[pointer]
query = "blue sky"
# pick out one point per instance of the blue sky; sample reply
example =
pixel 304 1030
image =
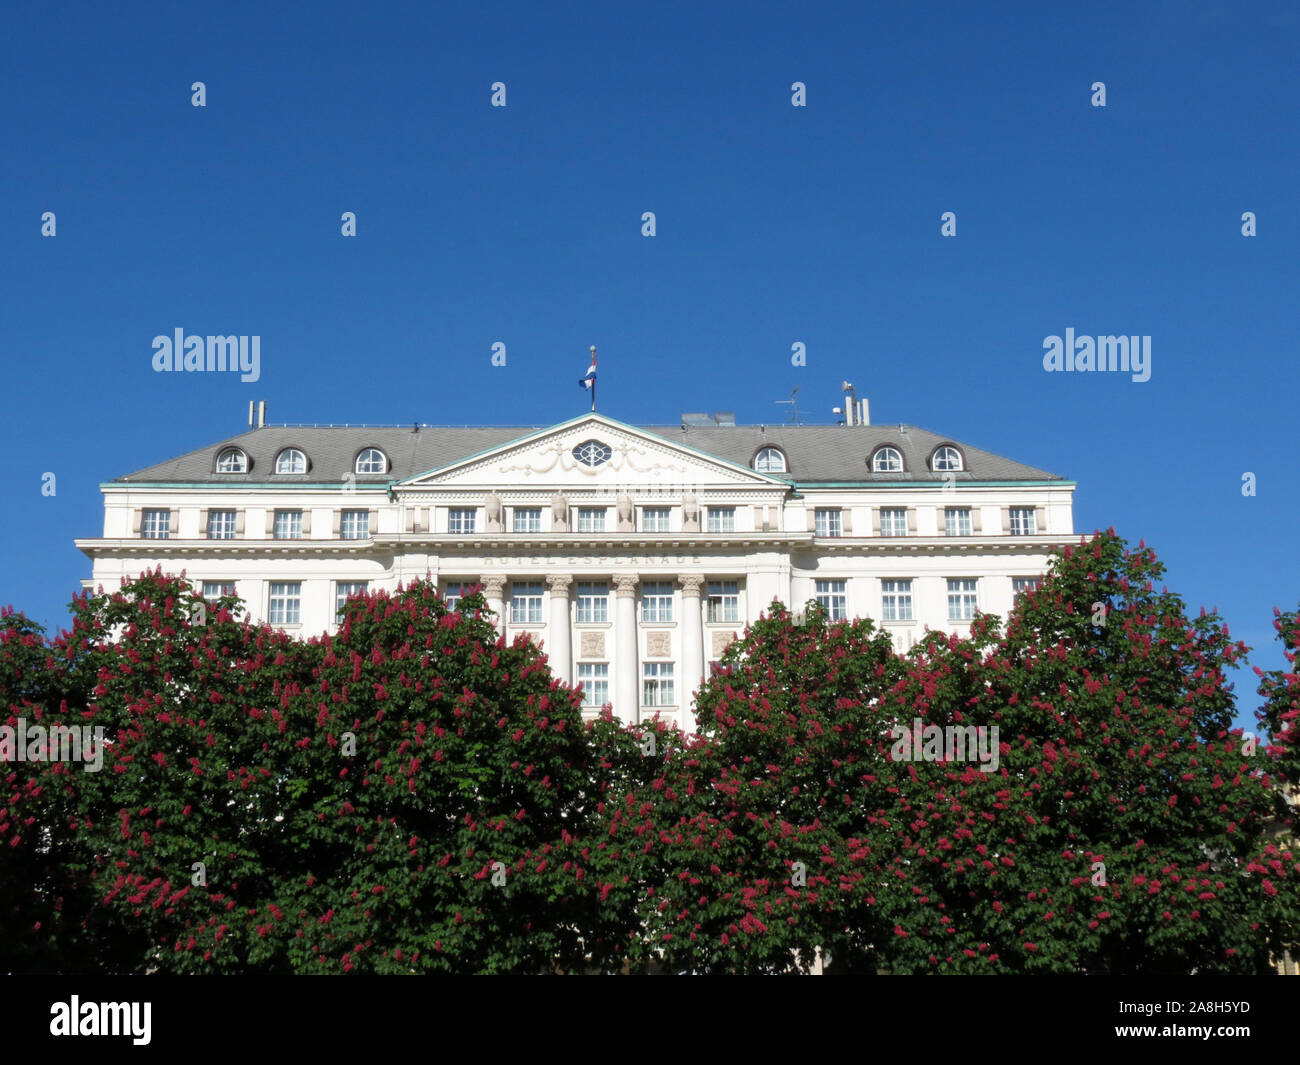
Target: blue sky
pixel 775 225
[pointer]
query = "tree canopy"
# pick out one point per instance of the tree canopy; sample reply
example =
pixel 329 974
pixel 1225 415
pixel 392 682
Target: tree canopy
pixel 1061 793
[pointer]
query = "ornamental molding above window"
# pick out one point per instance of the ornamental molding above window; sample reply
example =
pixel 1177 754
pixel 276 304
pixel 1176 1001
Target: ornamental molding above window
pixel 592 457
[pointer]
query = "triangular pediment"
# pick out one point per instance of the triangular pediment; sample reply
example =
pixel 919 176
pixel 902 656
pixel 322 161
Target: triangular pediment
pixel 622 456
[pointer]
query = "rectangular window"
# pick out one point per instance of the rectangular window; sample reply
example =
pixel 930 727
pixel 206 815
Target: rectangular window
pixel 528 519
pixel 460 520
pixel 591 519
pixel 956 521
pixel 221 524
pixel 656 601
pixel 896 600
pixel 355 525
pixel 216 589
pixel 657 687
pixel 593 602
pixel 1023 521
pixel 594 678
pixel 831 595
pixel 724 601
pixel 654 519
pixel 525 602
pixel 893 521
pixel 156 525
pixel 1020 585
pixel 286 603
pixel 829 522
pixel 288 524
pixel 341 592
pixel 722 519
pixel 962 599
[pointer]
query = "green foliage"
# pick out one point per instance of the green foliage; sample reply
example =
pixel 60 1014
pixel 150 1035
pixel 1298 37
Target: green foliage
pixel 414 795
pixel 349 799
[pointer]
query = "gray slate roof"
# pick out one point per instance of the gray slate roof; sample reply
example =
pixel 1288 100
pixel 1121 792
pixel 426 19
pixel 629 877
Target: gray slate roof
pixel 814 453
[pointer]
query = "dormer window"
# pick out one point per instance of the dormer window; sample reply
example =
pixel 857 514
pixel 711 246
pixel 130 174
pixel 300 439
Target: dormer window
pixel 770 460
pixel 372 460
pixel 291 460
pixel 946 460
pixel 887 460
pixel 232 460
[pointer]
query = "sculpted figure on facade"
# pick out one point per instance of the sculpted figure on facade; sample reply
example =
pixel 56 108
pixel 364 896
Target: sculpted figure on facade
pixel 626 514
pixel 496 515
pixel 690 513
pixel 559 512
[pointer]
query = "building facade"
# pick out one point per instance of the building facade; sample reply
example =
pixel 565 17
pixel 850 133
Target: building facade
pixel 633 555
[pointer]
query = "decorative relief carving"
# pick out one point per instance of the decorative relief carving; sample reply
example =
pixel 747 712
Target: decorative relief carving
pixel 593 645
pixel 691 585
pixel 625 454
pixel 494 585
pixel 562 458
pixel 495 512
pixel 558 584
pixel 626 584
pixel 720 642
pixel 528 467
pixel 658 645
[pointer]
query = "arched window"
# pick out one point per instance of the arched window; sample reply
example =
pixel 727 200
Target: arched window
pixel 291 460
pixel 887 460
pixel 232 460
pixel 372 460
pixel 946 459
pixel 770 460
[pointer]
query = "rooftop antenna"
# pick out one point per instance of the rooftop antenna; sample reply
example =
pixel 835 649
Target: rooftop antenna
pixel 793 404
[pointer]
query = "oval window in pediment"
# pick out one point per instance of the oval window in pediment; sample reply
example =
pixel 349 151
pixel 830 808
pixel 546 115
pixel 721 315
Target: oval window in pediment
pixel 592 453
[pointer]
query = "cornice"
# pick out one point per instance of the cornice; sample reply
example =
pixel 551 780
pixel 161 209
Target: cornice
pixel 137 547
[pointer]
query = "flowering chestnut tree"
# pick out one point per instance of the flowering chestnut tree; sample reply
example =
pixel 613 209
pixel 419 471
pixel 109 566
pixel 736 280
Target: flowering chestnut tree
pixel 384 800
pixel 412 794
pixel 1126 829
pixel 760 842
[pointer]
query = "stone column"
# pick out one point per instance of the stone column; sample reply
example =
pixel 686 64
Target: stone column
pixel 558 639
pixel 692 648
pixel 494 591
pixel 626 703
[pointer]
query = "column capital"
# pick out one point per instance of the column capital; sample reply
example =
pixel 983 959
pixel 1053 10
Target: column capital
pixel 691 585
pixel 558 583
pixel 494 585
pixel 626 584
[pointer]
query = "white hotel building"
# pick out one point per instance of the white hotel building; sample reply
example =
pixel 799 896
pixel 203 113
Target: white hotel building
pixel 633 554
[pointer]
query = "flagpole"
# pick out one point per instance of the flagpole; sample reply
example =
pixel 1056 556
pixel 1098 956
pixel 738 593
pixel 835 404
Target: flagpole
pixel 593 380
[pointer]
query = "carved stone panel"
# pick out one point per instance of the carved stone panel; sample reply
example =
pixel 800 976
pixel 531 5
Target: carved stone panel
pixel 593 645
pixel 720 642
pixel 658 645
